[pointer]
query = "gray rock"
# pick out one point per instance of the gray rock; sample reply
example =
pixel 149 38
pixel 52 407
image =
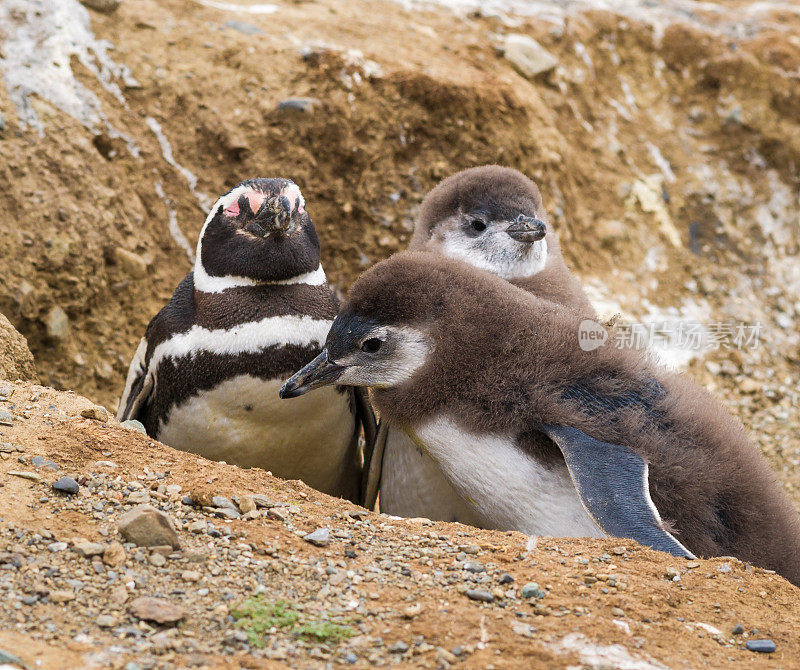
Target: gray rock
pixel 6 657
pixel 738 629
pixel 299 104
pixel 319 538
pixel 106 621
pixel 761 646
pixel 262 501
pixel 130 263
pixel 40 462
pixel 66 485
pixel 482 596
pixel 157 610
pixel 57 546
pixel 133 424
pixel 350 658
pixel 222 501
pixel 6 418
pixel 528 57
pixel 474 567
pixel 227 513
pixel 398 647
pixel 529 590
pixel 146 526
pixel 244 27
pixel 57 324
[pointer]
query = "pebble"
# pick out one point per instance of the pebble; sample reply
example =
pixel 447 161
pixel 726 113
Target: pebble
pixel 88 549
pixel 66 485
pixel 9 448
pixel 157 610
pixel 106 621
pixel 482 596
pixel 159 560
pixel 6 657
pixel 738 629
pixel 474 567
pixel 61 596
pixel 529 590
pixel 146 526
pixel 104 6
pixel 222 502
pixel 398 647
pixel 299 104
pixel 57 546
pixel 40 462
pixel 95 413
pixel 246 504
pixel 132 264
pixel 133 424
pixel 6 418
pixel 114 554
pixel 762 646
pixel 505 578
pixel 191 576
pixel 319 538
pixel 57 324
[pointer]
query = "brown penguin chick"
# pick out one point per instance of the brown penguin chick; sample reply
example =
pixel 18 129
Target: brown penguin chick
pixel 493 217
pixel 470 365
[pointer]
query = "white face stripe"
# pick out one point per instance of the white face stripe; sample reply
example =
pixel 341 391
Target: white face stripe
pixel 411 349
pixel 509 489
pixel 208 284
pixel 245 338
pixel 505 262
pixel 135 369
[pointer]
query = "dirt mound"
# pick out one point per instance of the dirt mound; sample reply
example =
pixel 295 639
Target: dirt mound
pixel 250 591
pixel 16 360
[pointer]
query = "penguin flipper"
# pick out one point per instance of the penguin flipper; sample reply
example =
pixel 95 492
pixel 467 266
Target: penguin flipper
pixel 138 386
pixel 373 468
pixel 611 481
pixel 365 420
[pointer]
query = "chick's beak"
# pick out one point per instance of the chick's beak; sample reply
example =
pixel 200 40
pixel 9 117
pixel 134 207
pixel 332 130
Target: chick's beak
pixel 319 372
pixel 527 229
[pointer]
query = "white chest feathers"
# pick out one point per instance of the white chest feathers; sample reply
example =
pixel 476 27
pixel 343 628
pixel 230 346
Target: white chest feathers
pixel 509 489
pixel 243 421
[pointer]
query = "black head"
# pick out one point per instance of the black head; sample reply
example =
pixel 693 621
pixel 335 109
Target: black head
pixel 259 231
pixel 490 217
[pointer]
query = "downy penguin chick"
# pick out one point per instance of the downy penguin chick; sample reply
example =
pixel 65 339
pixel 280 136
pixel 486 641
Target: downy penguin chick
pixel 470 365
pixel 206 375
pixel 491 217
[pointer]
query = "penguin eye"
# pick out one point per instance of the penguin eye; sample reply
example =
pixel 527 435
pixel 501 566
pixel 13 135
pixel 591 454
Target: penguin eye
pixel 477 225
pixel 371 345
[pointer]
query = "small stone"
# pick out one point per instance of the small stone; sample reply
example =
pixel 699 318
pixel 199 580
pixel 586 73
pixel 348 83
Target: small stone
pixel 88 549
pixel 132 264
pixel 9 448
pixel 398 647
pixel 222 502
pixel 246 504
pixel 724 568
pixel 106 621
pixel 6 418
pixel 118 596
pixel 482 596
pixel 138 497
pixel 146 526
pixel 114 554
pixel 158 560
pixel 299 104
pixel 191 576
pixel 505 578
pixel 57 546
pixel 133 424
pixel 199 526
pixel 761 646
pixel 262 501
pixel 738 629
pixel 226 513
pixel 673 573
pixel 157 610
pixel 57 324
pixel 96 413
pixel 46 463
pixel 61 596
pixel 350 658
pixel 619 551
pixel 616 611
pixel 319 538
pixel 529 590
pixel 412 610
pixel 471 549
pixel 66 485
pixel 474 567
pixel 277 514
pixel 6 657
pixel 692 564
pixel 528 57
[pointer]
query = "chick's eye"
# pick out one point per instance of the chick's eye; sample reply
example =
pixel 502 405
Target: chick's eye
pixel 371 345
pixel 478 225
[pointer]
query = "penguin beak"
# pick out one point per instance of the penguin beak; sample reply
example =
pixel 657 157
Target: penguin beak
pixel 527 229
pixel 274 215
pixel 319 372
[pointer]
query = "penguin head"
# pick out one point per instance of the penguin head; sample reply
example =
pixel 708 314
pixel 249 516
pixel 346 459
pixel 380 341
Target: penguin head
pixel 260 231
pixel 491 217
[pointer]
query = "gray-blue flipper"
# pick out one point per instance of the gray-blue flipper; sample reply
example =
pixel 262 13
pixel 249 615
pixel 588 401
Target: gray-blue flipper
pixel 612 483
pixel 374 467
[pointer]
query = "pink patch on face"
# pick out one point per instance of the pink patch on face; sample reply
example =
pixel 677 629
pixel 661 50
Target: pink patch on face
pixel 232 210
pixel 255 200
pixel 295 198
